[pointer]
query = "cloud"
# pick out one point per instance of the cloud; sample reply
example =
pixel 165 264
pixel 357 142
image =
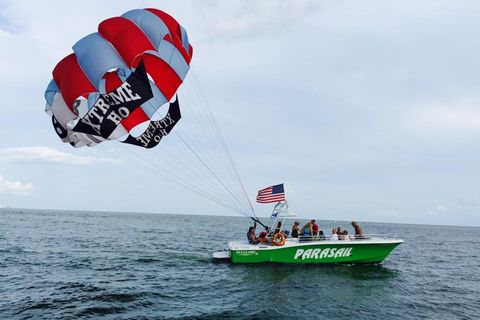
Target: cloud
pixel 454 116
pixel 469 205
pixel 5 24
pixel 438 210
pixel 246 19
pixel 15 187
pixel 41 153
pixel 261 15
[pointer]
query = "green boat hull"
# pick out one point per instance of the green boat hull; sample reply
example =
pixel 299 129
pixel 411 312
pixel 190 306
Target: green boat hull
pixel 322 252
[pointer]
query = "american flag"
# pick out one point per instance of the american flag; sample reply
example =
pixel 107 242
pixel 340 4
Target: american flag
pixel 271 194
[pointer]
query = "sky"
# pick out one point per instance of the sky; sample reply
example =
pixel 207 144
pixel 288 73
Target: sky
pixel 365 110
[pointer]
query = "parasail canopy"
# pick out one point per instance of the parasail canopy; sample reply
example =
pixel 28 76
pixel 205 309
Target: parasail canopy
pixel 119 82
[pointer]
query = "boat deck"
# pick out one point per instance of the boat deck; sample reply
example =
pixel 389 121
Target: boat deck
pixel 294 242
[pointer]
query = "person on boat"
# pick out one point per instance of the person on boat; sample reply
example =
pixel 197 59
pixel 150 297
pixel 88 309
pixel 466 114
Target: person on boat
pixel 252 239
pixel 339 233
pixel 295 229
pixel 334 235
pixel 307 230
pixel 262 237
pixel 306 233
pixel 314 228
pixel 345 235
pixel 321 236
pixel 278 228
pixel 358 230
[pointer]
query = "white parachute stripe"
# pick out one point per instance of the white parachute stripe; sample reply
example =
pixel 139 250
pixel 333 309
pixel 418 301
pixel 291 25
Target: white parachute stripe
pixel 119 132
pixel 66 118
pixel 62 113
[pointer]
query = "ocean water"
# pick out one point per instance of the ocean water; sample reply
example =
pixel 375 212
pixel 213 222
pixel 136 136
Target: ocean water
pixel 87 265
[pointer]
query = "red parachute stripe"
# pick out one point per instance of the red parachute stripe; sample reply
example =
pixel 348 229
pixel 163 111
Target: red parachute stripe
pixel 163 75
pixel 126 38
pixel 71 80
pixel 169 21
pixel 113 81
pixel 175 31
pixel 135 118
pixel 190 53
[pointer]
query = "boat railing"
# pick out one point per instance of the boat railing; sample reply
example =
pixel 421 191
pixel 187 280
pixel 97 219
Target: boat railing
pixel 386 236
pixel 371 236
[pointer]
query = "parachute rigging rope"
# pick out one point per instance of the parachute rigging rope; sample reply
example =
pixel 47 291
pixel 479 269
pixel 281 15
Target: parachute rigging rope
pixel 181 164
pixel 148 165
pixel 221 139
pixel 208 168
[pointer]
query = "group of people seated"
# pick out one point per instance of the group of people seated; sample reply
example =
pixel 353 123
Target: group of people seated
pixel 309 232
pixel 339 234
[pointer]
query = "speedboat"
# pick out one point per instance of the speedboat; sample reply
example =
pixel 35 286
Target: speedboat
pixel 373 249
pixel 307 250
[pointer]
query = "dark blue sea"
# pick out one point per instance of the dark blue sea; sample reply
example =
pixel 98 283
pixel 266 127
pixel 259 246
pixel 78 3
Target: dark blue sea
pixel 92 265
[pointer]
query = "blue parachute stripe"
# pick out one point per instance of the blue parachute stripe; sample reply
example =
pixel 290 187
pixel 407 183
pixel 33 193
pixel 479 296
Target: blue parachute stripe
pixel 179 65
pixel 150 24
pixel 124 73
pixel 50 92
pixel 152 105
pixel 170 54
pixel 185 42
pixel 92 98
pixel 96 56
pixel 102 86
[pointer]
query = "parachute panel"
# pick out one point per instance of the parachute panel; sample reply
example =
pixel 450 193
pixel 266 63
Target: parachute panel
pixel 153 27
pixel 50 92
pixel 165 78
pixel 171 55
pixel 152 105
pixel 175 32
pixel 62 114
pixel 126 38
pixel 71 80
pixel 137 117
pixel 96 56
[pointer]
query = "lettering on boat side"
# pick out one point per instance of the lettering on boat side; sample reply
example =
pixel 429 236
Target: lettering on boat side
pixel 322 253
pixel 247 253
